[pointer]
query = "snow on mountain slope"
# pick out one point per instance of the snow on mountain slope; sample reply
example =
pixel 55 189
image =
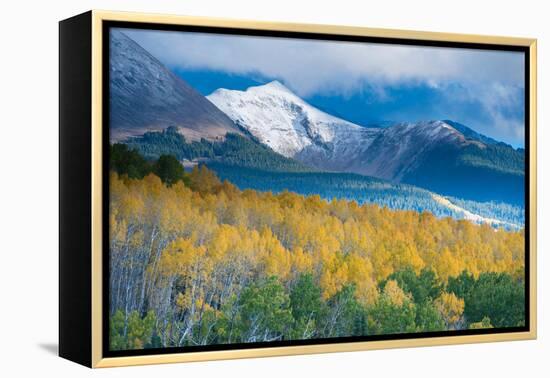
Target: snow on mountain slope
pixel 471 134
pixel 285 122
pixel 476 218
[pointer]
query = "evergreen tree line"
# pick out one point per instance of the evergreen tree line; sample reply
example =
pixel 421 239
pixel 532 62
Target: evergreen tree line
pixel 500 156
pixel 233 150
pixel 363 189
pixel 131 163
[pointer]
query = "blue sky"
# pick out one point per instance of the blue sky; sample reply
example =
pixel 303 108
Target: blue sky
pixel 364 83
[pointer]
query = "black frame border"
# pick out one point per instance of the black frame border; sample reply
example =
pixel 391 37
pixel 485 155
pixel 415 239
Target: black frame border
pixel 107 25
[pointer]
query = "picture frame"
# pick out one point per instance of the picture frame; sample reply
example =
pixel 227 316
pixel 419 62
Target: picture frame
pixel 84 113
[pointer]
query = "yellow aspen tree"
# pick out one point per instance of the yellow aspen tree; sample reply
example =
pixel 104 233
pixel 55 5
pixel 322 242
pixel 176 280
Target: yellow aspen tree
pixel 450 307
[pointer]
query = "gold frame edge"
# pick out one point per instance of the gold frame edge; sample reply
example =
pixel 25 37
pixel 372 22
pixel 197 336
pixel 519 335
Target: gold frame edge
pixel 98 361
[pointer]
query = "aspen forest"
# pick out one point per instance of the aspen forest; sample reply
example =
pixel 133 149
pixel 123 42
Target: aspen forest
pixel 195 261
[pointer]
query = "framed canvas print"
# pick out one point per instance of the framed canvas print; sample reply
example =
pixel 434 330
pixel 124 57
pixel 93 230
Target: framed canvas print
pixel 235 189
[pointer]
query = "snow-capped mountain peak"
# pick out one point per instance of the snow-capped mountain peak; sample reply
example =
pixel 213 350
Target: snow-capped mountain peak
pixel 272 86
pixel 281 119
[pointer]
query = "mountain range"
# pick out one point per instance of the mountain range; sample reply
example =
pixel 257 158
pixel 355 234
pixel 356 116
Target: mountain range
pixel 443 156
pixel 295 129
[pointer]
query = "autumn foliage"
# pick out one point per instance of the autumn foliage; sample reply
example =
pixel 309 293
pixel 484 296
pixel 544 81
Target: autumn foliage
pixel 202 262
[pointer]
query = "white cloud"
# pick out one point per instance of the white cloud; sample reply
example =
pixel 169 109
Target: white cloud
pixel 496 99
pixel 311 66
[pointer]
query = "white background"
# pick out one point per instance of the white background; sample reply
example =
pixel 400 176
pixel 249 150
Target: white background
pixel 29 186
